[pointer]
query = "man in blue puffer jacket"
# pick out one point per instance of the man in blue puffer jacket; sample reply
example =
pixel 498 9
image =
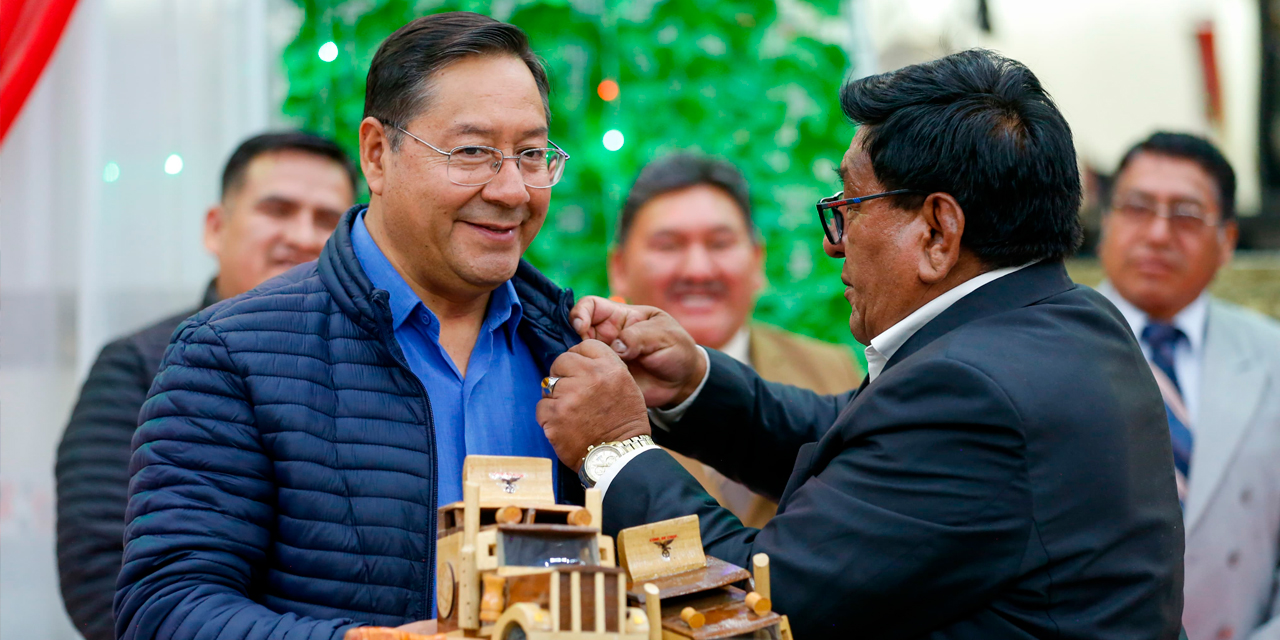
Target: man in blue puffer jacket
pixel 299 438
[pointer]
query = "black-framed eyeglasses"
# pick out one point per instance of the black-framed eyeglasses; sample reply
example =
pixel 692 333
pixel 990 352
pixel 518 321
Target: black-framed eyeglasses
pixel 476 166
pixel 833 211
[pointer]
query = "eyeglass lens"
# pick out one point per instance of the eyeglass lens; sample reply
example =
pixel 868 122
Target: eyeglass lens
pixel 833 219
pixel 475 166
pixel 1183 216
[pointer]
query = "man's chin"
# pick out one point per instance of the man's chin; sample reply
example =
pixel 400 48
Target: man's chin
pixel 489 273
pixel 280 268
pixel 708 334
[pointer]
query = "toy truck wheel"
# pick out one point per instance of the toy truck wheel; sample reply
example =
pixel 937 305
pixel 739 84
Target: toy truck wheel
pixel 514 632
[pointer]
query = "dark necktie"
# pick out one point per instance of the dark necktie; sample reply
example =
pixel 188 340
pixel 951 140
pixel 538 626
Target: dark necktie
pixel 1163 339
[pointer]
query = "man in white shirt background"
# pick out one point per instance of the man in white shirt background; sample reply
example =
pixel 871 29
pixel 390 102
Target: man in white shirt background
pixel 1168 230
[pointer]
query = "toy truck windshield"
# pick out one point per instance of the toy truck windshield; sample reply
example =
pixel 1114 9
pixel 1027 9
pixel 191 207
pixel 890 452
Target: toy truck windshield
pixel 533 546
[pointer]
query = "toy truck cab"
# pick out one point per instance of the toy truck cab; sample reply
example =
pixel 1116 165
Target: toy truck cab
pixel 512 564
pixel 690 596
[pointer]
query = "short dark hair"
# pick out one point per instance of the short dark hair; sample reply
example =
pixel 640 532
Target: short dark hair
pixel 238 163
pixel 980 127
pixel 681 171
pixel 399 82
pixel 1196 149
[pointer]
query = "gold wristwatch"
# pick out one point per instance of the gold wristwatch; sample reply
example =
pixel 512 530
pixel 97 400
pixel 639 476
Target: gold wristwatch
pixel 602 456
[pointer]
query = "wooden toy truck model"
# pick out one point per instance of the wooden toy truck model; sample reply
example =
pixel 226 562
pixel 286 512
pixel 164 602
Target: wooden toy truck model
pixel 511 564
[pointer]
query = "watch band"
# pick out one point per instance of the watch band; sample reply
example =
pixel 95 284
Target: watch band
pixel 631 444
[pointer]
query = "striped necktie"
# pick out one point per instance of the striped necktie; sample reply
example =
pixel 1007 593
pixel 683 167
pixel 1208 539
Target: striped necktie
pixel 1163 339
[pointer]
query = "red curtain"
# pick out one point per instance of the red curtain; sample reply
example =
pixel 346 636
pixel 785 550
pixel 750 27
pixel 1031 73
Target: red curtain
pixel 29 32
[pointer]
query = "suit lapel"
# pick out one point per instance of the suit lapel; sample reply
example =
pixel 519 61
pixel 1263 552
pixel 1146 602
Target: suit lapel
pixel 1233 382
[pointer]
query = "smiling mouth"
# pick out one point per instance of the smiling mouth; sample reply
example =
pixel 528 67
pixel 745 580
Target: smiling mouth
pixel 494 231
pixel 698 301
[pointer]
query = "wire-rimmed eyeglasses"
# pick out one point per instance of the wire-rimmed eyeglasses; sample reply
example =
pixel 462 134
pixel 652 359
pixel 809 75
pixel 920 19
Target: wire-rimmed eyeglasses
pixel 476 166
pixel 833 210
pixel 1184 216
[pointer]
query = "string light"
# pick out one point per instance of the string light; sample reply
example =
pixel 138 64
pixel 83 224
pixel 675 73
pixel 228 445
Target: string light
pixel 111 172
pixel 608 90
pixel 329 51
pixel 173 164
pixel 613 140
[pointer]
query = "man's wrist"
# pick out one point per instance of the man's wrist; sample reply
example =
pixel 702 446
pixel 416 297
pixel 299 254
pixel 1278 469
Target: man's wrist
pixel 695 382
pixel 664 418
pixel 606 479
pixel 599 458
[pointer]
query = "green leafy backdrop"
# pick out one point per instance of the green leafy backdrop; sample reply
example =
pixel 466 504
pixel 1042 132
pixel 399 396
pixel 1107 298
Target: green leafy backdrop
pixel 729 78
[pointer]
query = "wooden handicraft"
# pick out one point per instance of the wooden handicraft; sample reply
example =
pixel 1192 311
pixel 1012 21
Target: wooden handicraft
pixel 689 595
pixel 511 564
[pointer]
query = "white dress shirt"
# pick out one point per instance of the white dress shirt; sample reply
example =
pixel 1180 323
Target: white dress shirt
pixel 879 352
pixel 883 346
pixel 739 346
pixel 1188 355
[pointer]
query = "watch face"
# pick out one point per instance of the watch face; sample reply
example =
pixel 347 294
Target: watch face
pixel 599 459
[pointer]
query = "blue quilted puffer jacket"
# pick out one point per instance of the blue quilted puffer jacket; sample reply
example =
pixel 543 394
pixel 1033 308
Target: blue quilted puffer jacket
pixel 283 476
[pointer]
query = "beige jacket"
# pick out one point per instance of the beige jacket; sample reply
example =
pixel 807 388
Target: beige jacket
pixel 779 356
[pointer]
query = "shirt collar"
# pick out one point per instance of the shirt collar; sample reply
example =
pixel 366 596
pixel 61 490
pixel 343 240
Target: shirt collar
pixel 504 304
pixel 381 274
pixel 883 346
pixel 1192 320
pixel 739 346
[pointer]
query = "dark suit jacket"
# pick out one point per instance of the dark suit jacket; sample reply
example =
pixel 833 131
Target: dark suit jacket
pixel 93 471
pixel 1008 475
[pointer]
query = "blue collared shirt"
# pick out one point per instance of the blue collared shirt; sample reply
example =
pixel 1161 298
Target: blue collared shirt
pixel 491 410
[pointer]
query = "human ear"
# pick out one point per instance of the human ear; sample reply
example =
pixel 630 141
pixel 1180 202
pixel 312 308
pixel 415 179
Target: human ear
pixel 213 224
pixel 1227 242
pixel 374 148
pixel 758 278
pixel 943 220
pixel 617 273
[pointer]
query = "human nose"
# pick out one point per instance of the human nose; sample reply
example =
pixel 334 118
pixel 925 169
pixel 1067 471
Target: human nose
pixel 833 250
pixel 305 233
pixel 697 263
pixel 507 187
pixel 1160 229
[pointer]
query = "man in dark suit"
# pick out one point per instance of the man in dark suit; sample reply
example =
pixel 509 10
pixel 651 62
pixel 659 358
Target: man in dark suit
pixel 282 195
pixel 1004 470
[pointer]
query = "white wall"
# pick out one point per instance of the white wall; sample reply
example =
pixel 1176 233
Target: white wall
pixel 1118 69
pixel 84 260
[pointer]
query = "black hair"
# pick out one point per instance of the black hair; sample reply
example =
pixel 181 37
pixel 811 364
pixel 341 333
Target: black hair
pixel 238 163
pixel 1196 149
pixel 980 127
pixel 398 86
pixel 681 171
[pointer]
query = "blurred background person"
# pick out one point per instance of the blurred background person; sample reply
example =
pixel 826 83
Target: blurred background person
pixel 687 244
pixel 282 195
pixel 1171 226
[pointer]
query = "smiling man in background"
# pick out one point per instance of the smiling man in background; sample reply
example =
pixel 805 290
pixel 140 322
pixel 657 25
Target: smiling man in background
pixel 1170 227
pixel 282 195
pixel 688 245
pixel 299 439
